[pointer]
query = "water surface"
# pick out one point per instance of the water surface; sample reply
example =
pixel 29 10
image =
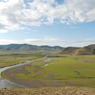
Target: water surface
pixel 8 84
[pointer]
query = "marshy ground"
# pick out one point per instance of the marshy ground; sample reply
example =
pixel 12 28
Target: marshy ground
pixel 62 75
pixel 60 71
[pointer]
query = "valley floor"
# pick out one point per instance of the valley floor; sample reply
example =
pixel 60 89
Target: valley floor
pixel 59 72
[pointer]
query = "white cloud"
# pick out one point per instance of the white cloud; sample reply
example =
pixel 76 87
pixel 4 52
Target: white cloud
pixel 5 41
pixel 9 12
pixel 3 31
pixel 14 13
pixel 50 42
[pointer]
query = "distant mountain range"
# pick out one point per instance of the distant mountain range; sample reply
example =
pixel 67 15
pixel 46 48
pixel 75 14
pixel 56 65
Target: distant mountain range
pixel 27 47
pixel 87 50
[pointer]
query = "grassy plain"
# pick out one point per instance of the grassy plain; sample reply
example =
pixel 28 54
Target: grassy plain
pixel 62 70
pixel 8 58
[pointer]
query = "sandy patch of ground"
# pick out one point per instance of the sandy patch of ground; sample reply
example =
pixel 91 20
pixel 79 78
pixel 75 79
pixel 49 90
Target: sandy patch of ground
pixel 49 91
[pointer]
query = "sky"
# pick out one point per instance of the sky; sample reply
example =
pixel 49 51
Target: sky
pixel 47 22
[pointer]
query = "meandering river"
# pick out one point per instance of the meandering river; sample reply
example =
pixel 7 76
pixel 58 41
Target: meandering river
pixel 8 84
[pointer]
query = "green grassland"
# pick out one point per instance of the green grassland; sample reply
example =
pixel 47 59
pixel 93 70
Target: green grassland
pixel 8 58
pixel 71 70
pixel 66 69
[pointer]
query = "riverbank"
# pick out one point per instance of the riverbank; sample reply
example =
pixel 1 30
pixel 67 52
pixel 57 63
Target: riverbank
pixel 5 82
pixel 10 74
pixel 49 91
pixel 59 72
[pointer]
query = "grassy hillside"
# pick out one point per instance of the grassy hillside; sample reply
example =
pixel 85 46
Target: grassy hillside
pixel 69 50
pixel 61 71
pixel 87 50
pixel 27 47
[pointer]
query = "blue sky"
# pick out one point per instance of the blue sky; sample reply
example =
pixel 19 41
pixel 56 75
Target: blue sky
pixel 47 22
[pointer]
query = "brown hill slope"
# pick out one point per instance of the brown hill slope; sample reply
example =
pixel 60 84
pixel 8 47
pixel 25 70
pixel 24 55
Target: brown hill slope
pixel 49 91
pixel 87 50
pixel 69 50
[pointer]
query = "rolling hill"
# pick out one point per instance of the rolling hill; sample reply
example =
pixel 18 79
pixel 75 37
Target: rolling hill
pixel 87 50
pixel 27 47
